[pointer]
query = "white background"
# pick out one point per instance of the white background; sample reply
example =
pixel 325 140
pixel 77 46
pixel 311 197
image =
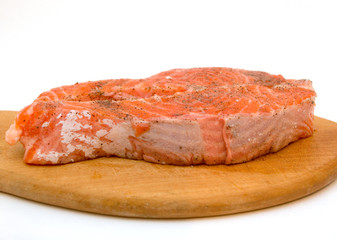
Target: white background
pixel 45 44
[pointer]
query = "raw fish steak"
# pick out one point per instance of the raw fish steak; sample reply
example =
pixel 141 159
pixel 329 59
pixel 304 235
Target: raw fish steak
pixel 180 117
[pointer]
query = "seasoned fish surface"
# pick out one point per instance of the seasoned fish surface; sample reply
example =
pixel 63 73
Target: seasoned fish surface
pixel 181 117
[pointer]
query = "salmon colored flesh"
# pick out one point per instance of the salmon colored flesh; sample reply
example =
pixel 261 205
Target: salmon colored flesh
pixel 180 117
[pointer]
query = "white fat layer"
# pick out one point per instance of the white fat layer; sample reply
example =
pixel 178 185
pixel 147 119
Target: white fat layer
pixel 45 124
pixel 108 122
pixel 113 139
pixel 69 132
pixel 86 114
pixel 119 138
pixel 51 156
pixel 101 133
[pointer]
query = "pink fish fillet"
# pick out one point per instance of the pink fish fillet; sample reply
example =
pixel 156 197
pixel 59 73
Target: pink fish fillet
pixel 180 117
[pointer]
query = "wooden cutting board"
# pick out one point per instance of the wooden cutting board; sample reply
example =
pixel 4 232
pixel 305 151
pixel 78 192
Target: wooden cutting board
pixel 123 187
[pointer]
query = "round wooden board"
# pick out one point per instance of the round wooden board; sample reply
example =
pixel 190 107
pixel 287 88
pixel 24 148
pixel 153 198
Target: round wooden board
pixel 124 187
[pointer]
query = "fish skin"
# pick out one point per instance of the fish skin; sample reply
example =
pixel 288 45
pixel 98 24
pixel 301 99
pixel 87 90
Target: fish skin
pixel 180 117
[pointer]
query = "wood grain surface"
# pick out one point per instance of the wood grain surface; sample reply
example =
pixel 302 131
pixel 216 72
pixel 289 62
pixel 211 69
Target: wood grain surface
pixel 123 187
